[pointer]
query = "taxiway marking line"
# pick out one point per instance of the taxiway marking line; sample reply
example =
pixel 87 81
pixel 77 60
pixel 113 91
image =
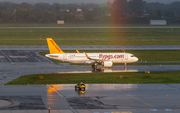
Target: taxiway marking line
pixel 56 91
pixel 6 105
pixel 63 97
pixel 6 57
pixel 137 99
pixel 73 110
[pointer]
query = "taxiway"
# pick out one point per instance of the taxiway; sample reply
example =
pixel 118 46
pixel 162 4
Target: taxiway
pixel 98 98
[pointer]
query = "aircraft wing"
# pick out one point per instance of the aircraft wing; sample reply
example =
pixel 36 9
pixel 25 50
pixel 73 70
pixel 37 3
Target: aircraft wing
pixel 77 51
pixel 93 60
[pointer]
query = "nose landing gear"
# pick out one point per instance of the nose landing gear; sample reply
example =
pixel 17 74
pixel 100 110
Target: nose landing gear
pixel 125 66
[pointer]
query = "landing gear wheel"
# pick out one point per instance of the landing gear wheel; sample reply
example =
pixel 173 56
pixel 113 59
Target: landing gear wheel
pixel 125 66
pixel 94 66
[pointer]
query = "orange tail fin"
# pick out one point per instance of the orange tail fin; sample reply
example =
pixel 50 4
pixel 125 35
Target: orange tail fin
pixel 53 47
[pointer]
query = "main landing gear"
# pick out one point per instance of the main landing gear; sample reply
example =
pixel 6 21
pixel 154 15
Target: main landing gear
pixel 94 66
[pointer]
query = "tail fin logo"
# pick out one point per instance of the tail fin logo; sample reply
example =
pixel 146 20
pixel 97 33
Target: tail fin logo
pixel 55 45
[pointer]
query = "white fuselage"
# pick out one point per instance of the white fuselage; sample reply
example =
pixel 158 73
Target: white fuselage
pixel 81 57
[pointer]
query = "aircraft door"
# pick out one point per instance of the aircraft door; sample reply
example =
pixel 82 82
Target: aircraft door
pixel 126 56
pixel 64 57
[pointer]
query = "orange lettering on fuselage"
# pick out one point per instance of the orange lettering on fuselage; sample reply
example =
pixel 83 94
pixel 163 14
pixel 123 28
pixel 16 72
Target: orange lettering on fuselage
pixel 108 57
pixel 55 45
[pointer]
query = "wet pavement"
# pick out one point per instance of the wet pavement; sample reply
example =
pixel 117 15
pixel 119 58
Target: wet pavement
pixel 24 102
pixel 11 71
pixel 97 98
pixel 21 56
pixel 135 98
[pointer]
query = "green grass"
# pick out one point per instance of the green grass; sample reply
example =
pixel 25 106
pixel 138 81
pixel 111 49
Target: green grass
pixel 93 78
pixel 91 36
pixel 65 25
pixel 72 25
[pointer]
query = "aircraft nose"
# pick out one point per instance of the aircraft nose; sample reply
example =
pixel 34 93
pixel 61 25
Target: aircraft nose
pixel 136 59
pixel 47 55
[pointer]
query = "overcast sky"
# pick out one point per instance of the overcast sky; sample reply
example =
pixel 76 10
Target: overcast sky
pixel 78 1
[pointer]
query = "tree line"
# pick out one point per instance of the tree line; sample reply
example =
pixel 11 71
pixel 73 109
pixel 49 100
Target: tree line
pixel 138 11
pixel 45 13
pixel 120 11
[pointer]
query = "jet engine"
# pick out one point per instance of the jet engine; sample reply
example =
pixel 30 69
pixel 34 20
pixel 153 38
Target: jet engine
pixel 107 64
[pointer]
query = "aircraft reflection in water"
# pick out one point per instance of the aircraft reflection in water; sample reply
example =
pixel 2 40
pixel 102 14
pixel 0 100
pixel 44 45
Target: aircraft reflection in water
pixel 105 70
pixel 81 93
pixel 51 91
pixel 68 89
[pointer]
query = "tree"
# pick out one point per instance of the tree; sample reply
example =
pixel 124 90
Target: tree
pixel 119 10
pixel 120 6
pixel 136 6
pixel 89 15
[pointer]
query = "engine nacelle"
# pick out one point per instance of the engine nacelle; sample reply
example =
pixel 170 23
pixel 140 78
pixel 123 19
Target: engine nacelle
pixel 107 64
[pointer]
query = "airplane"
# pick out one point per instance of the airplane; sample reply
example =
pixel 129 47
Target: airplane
pixel 95 59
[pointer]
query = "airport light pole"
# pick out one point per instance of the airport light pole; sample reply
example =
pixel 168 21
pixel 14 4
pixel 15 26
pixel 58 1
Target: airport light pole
pixel 49 109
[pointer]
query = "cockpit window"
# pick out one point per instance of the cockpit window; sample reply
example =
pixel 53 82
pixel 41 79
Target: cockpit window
pixel 132 56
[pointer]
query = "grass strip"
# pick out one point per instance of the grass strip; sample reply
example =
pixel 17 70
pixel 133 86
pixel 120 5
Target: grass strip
pixel 99 78
pixel 93 36
pixel 73 25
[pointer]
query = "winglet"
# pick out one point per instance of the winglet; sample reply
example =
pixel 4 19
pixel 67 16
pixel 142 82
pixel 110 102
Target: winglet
pixel 77 51
pixel 87 55
pixel 53 47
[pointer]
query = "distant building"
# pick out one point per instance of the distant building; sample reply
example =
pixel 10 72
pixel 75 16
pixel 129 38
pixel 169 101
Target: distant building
pixel 154 1
pixel 109 15
pixel 60 22
pixel 158 22
pixel 79 15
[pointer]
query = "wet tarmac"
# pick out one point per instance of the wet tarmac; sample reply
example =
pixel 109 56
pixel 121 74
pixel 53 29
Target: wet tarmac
pixel 23 102
pixel 98 98
pixel 21 56
pixel 135 98
pixel 15 63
